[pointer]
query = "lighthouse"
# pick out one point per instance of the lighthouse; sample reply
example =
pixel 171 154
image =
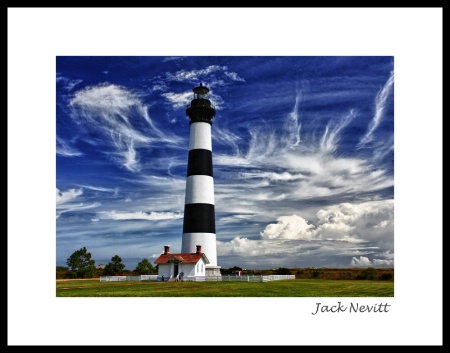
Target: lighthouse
pixel 199 225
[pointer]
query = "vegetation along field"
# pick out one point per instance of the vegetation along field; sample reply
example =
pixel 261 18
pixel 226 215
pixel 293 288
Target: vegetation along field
pixel 280 288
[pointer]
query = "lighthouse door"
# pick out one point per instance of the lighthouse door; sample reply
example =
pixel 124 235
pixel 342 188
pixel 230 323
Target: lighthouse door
pixel 175 269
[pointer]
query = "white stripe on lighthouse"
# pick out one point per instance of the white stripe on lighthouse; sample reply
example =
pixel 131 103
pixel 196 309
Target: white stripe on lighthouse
pixel 191 240
pixel 199 189
pixel 200 136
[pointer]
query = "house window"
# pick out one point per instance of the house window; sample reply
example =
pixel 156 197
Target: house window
pixel 198 267
pixel 201 268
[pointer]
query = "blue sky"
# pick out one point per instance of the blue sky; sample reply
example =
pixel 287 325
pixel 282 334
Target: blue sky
pixel 303 156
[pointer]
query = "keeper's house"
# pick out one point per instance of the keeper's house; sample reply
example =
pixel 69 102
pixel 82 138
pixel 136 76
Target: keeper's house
pixel 190 265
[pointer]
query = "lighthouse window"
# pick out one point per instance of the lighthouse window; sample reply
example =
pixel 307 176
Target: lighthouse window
pixel 201 268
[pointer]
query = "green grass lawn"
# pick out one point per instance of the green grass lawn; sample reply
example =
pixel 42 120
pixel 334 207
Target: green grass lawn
pixel 282 288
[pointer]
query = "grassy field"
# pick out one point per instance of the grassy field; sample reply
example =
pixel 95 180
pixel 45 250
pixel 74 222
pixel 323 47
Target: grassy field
pixel 283 288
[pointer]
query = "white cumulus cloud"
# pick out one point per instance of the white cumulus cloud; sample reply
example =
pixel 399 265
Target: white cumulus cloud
pixel 288 227
pixel 362 261
pixel 343 231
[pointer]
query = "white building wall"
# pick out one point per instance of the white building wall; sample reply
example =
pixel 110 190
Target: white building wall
pixel 165 269
pixel 187 269
pixel 200 268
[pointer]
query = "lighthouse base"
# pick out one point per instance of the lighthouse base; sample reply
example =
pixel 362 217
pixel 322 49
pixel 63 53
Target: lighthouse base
pixel 213 271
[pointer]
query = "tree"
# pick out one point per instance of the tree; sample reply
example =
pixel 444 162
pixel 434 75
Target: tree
pixel 114 267
pixel 368 273
pixel 283 271
pixel 386 276
pixel 80 262
pixel 145 267
pixel 230 271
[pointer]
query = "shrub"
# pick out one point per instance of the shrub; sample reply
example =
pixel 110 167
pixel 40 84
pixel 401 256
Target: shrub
pixel 386 276
pixel 315 274
pixel 283 271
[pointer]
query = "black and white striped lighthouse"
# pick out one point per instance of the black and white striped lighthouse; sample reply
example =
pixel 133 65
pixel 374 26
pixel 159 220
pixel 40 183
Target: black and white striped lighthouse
pixel 199 227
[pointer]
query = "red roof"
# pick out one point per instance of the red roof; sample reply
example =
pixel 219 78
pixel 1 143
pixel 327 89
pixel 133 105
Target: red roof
pixel 184 258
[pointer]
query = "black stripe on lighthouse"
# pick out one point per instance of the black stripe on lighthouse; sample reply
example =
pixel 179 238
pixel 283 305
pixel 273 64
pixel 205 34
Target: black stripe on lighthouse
pixel 199 218
pixel 200 162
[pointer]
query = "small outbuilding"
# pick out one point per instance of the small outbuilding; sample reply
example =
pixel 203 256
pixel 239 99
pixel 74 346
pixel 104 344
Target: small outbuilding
pixel 188 266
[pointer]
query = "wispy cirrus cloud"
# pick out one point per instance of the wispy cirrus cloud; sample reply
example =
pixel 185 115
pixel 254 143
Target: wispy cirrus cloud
pixel 194 75
pixel 234 76
pixel 293 125
pixel 148 216
pixel 100 188
pixel 178 100
pixel 65 202
pixel 183 100
pixel 201 74
pixel 294 169
pixel 227 138
pixel 122 120
pixel 64 197
pixel 299 175
pixel 67 83
pixel 380 104
pixel 330 138
pixel 63 148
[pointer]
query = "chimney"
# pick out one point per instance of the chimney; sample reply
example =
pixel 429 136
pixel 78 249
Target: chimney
pixel 166 249
pixel 199 249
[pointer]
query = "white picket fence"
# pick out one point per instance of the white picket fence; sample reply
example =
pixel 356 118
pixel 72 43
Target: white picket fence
pixel 245 278
pixel 224 278
pixel 141 278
